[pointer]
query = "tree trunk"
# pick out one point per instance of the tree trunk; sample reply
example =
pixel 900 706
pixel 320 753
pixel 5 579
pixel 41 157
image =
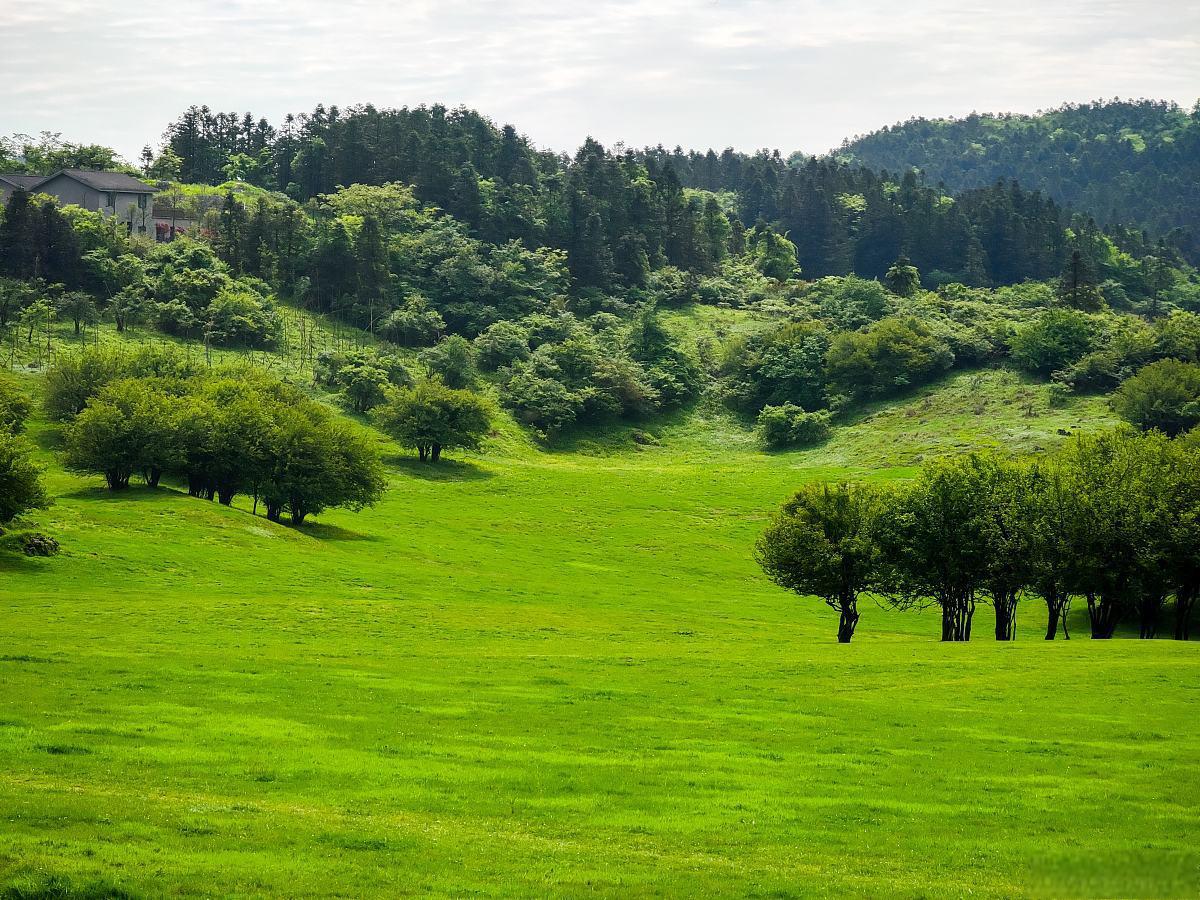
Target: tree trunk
pixel 422 452
pixel 848 621
pixel 1006 615
pixel 1184 602
pixel 1056 612
pixel 195 485
pixel 957 613
pixel 1102 613
pixel 153 475
pixel 274 511
pixel 1148 611
pixel 225 495
pixel 436 452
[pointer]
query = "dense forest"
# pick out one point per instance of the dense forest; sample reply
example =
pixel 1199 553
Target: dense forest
pixel 619 214
pixel 1130 162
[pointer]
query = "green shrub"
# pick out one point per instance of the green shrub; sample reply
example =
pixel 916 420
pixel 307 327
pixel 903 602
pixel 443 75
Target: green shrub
pixel 789 425
pixel 15 406
pixel 1059 338
pixel 1164 395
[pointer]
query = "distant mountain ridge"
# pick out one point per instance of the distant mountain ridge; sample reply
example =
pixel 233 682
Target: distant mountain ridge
pixel 1135 162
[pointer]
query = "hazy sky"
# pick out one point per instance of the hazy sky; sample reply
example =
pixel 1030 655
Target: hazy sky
pixel 792 74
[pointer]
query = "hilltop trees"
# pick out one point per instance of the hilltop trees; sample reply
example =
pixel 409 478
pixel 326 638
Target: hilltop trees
pixel 823 544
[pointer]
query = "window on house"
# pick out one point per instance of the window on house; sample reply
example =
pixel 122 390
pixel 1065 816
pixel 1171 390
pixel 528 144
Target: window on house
pixel 141 201
pixel 110 199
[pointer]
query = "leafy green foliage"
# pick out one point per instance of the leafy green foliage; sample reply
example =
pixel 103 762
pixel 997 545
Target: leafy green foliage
pixel 1058 338
pixel 823 544
pixel 1164 395
pixel 21 488
pixel 788 425
pixel 886 357
pixel 431 418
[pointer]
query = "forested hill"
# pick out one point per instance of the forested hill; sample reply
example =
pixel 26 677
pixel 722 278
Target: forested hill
pixel 1133 162
pixel 620 215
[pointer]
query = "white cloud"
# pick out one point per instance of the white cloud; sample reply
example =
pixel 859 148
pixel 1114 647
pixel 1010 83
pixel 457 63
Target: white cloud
pixel 749 73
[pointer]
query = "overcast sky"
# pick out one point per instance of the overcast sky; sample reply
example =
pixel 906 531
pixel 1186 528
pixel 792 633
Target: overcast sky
pixel 792 74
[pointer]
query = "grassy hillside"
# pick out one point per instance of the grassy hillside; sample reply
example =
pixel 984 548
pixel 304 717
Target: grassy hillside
pixel 559 672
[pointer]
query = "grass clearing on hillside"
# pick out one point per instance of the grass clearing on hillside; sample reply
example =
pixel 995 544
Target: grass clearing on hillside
pixel 560 673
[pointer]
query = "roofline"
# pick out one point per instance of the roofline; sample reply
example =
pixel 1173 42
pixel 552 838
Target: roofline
pixel 71 173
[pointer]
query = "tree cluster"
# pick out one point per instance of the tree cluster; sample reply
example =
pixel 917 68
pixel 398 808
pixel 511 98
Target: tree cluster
pixel 222 433
pixel 1110 519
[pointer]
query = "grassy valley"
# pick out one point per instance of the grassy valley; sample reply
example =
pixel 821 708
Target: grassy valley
pixel 559 671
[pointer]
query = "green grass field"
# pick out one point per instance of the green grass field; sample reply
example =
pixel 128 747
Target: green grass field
pixel 560 672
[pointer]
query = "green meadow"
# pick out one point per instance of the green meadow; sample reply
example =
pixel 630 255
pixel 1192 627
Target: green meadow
pixel 559 672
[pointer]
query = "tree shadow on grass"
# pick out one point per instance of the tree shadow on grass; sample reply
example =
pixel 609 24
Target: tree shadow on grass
pixel 14 561
pixel 133 492
pixel 325 532
pixel 442 470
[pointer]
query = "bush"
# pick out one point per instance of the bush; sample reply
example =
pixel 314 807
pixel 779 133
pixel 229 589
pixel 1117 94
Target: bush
pixel 785 365
pixel 77 377
pixel 542 402
pixel 34 543
pixel 1164 395
pixel 15 407
pixel 362 375
pixel 889 356
pixel 20 482
pixel 453 361
pixel 414 324
pixel 240 317
pixel 1059 338
pixel 501 345
pixel 790 426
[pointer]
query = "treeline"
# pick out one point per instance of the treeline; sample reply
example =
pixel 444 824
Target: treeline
pixel 620 215
pixel 152 413
pixel 1111 519
pixel 1132 162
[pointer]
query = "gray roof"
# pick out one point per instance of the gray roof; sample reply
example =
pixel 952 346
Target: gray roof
pixel 106 181
pixel 22 181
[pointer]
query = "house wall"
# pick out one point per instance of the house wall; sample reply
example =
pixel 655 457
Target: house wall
pixel 71 192
pixel 126 208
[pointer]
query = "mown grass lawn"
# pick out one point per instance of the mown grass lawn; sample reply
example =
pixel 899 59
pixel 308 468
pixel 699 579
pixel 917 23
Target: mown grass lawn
pixel 560 673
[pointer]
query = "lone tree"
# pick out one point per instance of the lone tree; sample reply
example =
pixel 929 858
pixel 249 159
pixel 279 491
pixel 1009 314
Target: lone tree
pixel 431 417
pixel 1077 286
pixel 902 278
pixel 821 544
